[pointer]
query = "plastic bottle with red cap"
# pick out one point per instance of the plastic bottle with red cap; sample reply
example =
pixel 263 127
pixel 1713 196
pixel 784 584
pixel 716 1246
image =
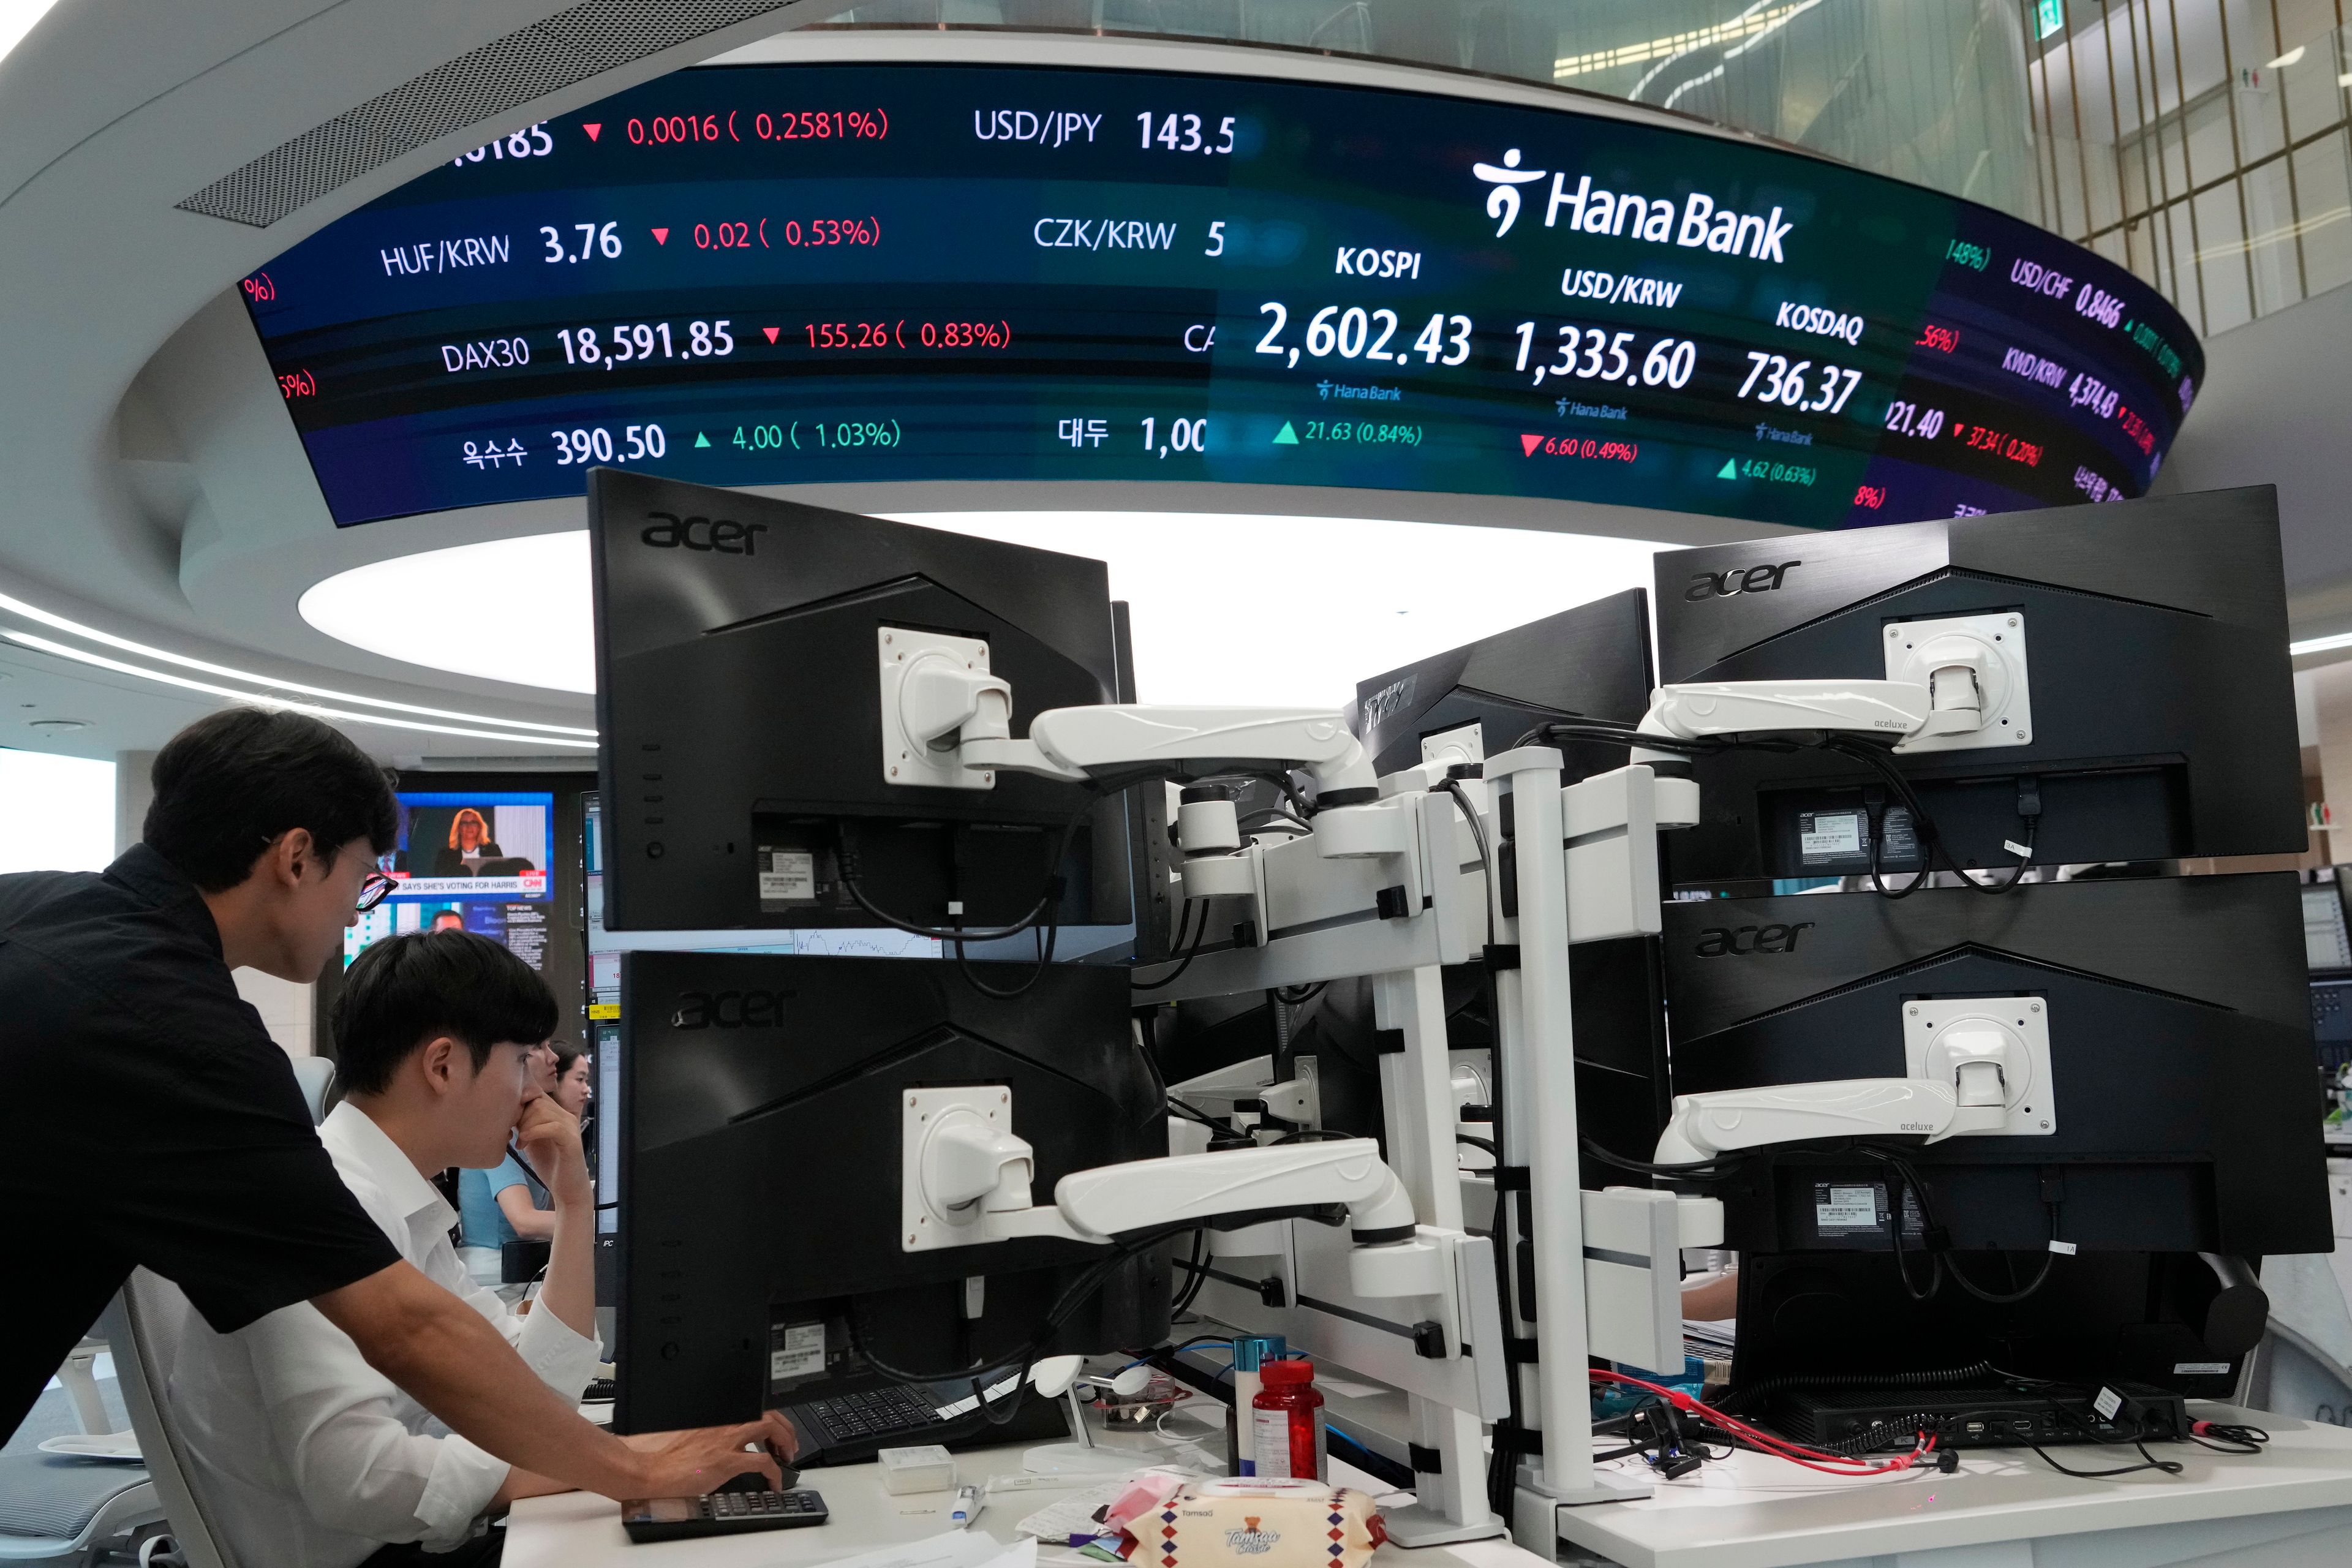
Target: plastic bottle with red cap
pixel 1287 1422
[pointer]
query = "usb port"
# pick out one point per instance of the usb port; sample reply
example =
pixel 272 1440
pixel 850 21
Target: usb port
pixel 1974 1429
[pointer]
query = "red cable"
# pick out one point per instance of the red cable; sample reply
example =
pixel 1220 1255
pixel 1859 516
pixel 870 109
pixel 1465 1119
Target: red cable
pixel 1779 1447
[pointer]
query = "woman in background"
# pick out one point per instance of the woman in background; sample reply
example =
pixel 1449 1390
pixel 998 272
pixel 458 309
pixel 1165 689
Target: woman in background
pixel 469 844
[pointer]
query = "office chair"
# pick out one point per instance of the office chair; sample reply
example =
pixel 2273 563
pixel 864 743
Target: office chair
pixel 144 1324
pixel 317 1076
pixel 56 1510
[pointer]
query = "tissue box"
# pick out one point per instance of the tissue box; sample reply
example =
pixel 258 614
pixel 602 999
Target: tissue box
pixel 929 1469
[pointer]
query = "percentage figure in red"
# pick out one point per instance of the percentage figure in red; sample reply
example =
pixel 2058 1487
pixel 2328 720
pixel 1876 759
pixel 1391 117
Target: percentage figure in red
pixel 1586 448
pixel 821 125
pixel 298 384
pixel 966 334
pixel 823 231
pixel 1943 340
pixel 1871 496
pixel 258 288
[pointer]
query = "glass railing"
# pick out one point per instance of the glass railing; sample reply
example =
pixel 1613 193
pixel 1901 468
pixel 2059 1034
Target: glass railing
pixel 2184 139
pixel 1929 91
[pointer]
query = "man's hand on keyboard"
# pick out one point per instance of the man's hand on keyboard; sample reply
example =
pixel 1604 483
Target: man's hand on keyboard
pixel 699 1459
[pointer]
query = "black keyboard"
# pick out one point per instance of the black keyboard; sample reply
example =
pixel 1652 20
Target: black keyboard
pixel 845 1427
pixel 720 1513
pixel 876 1415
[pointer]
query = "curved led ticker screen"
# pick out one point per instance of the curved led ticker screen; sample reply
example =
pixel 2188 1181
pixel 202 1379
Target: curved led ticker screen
pixel 783 274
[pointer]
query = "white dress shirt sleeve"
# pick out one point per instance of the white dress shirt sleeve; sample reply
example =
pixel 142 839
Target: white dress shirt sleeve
pixel 356 1466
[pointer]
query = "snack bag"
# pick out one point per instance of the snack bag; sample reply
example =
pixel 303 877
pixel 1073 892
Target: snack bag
pixel 1246 1523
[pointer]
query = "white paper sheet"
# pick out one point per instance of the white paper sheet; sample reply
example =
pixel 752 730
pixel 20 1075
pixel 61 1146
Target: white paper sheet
pixel 949 1548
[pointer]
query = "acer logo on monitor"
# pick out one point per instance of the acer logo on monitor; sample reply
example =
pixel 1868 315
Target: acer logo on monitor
pixel 1716 942
pixel 1724 584
pixel 729 1010
pixel 667 531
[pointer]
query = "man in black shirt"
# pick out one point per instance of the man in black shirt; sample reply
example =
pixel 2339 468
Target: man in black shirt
pixel 147 1119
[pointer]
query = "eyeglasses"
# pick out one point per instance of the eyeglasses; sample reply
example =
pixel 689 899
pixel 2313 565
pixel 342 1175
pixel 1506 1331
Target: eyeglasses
pixel 376 887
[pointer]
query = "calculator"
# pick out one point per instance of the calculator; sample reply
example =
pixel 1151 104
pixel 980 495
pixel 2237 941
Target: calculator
pixel 720 1513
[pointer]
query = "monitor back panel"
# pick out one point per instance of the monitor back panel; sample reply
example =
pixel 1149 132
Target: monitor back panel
pixel 738 701
pixel 2180 1029
pixel 2163 709
pixel 761 1165
pixel 1588 662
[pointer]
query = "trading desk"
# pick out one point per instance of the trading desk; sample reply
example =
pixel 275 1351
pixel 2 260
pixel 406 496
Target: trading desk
pixel 578 1530
pixel 2290 1508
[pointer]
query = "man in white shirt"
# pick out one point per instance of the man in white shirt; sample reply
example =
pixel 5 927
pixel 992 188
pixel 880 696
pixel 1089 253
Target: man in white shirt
pixel 309 1456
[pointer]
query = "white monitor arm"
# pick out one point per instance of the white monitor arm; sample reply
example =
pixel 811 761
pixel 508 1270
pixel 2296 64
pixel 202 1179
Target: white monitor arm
pixel 1893 710
pixel 965 1179
pixel 1952 683
pixel 1978 1066
pixel 947 721
pixel 1725 1120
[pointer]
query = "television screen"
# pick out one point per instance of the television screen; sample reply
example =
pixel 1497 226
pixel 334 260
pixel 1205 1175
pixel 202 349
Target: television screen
pixel 479 860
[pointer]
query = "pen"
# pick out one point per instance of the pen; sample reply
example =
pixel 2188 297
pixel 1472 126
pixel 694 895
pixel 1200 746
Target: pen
pixel 967 1507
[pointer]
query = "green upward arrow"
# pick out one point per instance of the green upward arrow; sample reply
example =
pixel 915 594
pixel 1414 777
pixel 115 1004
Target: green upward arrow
pixel 700 439
pixel 1730 471
pixel 1285 437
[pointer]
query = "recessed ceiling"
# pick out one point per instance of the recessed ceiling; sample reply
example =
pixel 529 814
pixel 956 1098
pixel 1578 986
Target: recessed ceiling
pixel 1224 608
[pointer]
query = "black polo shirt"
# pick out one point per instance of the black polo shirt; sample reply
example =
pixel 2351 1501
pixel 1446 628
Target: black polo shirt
pixel 146 1118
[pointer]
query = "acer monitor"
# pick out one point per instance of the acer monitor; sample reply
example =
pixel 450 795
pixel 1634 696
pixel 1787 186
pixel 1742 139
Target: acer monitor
pixel 2154 712
pixel 2160 1031
pixel 1615 999
pixel 758 1223
pixel 1588 662
pixel 739 716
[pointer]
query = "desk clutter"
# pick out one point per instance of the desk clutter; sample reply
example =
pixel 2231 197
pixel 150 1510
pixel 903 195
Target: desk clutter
pixel 1166 1519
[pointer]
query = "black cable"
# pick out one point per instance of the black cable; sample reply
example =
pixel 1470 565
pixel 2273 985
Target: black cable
pixel 1298 996
pixel 1879 761
pixel 1194 1113
pixel 1197 1266
pixel 1477 1142
pixel 2230 1438
pixel 1700 1171
pixel 1047 906
pixel 1048 936
pixel 2040 1275
pixel 1873 754
pixel 1280 780
pixel 2170 1466
pixel 1079 1289
pixel 1184 920
pixel 1271 816
pixel 1477 831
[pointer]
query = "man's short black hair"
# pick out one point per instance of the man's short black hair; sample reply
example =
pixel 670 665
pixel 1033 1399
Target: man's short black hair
pixel 233 781
pixel 406 990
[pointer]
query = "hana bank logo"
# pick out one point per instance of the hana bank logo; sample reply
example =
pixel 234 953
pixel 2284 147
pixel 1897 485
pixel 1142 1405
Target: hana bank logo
pixel 1503 201
pixel 1696 221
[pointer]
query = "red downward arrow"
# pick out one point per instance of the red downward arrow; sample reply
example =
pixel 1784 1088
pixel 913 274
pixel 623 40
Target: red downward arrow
pixel 1528 444
pixel 591 131
pixel 771 332
pixel 661 237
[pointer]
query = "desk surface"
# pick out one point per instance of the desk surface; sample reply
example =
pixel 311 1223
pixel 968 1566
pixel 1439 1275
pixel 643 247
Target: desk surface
pixel 1747 1511
pixel 1752 1511
pixel 579 1530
